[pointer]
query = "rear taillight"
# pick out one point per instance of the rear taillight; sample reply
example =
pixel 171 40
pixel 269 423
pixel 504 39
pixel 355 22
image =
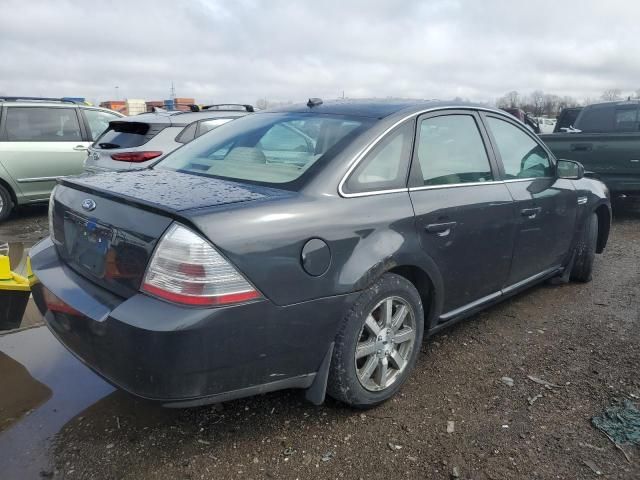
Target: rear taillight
pixel 135 156
pixel 187 269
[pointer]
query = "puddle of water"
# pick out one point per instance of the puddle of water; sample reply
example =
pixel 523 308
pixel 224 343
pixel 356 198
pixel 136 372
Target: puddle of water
pixel 42 387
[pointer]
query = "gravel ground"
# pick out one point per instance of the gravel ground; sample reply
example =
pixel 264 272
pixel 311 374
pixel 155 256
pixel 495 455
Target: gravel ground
pixel 456 418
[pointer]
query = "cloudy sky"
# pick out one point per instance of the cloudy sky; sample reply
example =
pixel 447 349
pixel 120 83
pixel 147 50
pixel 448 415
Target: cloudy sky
pixel 243 50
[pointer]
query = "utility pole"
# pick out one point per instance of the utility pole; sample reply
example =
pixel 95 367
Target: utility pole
pixel 172 92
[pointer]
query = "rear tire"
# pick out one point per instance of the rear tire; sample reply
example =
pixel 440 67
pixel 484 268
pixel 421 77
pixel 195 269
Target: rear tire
pixel 586 251
pixel 378 343
pixel 6 203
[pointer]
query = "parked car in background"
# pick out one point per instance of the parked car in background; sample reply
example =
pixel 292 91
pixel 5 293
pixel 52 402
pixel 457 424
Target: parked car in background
pixel 138 141
pixel 42 139
pixel 606 139
pixel 525 118
pixel 309 247
pixel 566 119
pixel 547 125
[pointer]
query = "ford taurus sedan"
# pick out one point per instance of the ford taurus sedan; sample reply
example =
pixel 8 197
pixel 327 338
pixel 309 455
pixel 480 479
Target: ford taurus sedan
pixel 310 247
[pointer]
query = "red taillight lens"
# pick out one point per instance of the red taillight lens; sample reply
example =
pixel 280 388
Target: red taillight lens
pixel 187 269
pixel 135 156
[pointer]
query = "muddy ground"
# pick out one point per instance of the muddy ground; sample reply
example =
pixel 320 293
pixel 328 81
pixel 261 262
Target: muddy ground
pixel 455 419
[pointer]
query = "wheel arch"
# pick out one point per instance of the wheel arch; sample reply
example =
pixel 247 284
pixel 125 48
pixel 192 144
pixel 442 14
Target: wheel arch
pixel 604 226
pixel 423 283
pixel 12 193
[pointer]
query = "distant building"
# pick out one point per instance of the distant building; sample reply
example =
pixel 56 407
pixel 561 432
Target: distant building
pixel 117 105
pixel 182 103
pixel 154 103
pixel 135 106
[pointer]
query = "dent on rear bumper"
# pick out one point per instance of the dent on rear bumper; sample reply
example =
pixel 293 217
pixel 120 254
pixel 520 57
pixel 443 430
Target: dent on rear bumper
pixel 186 356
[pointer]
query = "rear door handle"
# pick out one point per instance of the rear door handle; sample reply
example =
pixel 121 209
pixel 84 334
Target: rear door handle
pixel 440 229
pixel 80 148
pixel 530 212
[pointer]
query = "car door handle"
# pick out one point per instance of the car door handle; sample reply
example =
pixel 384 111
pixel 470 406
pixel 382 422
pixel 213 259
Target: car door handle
pixel 80 148
pixel 530 212
pixel 581 147
pixel 440 229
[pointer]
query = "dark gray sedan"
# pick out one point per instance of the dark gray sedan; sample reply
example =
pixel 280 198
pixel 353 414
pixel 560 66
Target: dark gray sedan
pixel 309 247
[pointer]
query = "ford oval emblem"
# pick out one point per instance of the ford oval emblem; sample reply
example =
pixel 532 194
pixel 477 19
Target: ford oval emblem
pixel 88 205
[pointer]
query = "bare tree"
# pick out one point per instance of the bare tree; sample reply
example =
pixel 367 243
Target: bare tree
pixel 551 105
pixel 567 101
pixel 611 94
pixel 509 100
pixel 513 99
pixel 537 102
pixel 262 103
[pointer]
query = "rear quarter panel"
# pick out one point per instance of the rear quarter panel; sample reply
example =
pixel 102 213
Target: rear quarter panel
pixel 366 236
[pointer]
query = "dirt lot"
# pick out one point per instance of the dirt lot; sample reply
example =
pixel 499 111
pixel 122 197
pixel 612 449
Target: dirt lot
pixel 455 419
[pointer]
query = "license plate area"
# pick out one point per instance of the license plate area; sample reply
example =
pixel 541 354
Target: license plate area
pixel 87 243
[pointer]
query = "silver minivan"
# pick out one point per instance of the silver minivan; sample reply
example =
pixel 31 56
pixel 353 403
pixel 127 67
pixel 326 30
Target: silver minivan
pixel 42 139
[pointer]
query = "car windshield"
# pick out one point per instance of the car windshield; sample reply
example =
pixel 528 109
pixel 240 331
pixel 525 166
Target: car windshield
pixel 269 148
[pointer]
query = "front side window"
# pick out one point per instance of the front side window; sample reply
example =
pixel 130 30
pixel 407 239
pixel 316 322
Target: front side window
pixel 385 166
pixel 450 150
pixel 98 121
pixel 272 148
pixel 42 124
pixel 522 157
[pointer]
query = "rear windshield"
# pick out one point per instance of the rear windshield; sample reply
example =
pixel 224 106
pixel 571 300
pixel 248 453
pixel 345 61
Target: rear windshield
pixel 266 148
pixel 123 135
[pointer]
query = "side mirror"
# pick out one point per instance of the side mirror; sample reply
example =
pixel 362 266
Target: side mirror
pixel 570 169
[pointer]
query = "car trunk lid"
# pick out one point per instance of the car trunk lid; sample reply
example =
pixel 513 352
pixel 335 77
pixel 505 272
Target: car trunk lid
pixel 106 226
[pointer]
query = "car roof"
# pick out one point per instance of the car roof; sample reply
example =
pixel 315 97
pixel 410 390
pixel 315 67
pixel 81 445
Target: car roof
pixel 39 103
pixel 180 118
pixel 374 108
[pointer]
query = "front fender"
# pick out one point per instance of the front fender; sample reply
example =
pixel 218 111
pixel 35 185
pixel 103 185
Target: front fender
pixel 593 196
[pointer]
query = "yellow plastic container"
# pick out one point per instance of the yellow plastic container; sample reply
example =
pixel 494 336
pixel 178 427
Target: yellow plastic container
pixel 14 295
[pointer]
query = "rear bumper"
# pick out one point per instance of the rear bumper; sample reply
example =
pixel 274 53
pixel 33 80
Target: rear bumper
pixel 185 356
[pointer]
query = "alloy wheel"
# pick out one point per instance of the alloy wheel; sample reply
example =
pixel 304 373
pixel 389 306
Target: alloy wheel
pixel 385 343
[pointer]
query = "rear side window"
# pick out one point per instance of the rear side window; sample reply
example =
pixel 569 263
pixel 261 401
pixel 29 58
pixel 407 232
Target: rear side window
pixel 42 124
pixel 124 135
pixel 450 150
pixel 626 119
pixel 207 125
pixel 98 121
pixel 188 133
pixel 385 166
pixel 522 157
pixel 596 119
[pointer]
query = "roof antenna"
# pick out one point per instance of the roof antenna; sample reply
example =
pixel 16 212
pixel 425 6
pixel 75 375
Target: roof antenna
pixel 314 102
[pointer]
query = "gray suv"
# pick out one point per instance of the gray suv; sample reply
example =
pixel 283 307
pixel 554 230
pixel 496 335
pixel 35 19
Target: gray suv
pixel 138 141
